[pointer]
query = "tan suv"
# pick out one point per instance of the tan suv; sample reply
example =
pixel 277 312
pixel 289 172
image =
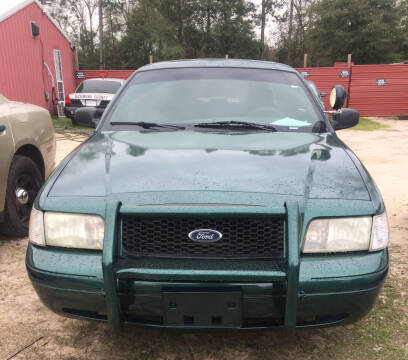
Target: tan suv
pixel 27 157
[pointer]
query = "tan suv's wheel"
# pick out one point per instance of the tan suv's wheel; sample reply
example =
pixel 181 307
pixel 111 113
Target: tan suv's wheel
pixel 24 181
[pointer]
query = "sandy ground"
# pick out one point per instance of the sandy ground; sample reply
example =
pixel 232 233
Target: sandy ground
pixel 30 331
pixel 385 154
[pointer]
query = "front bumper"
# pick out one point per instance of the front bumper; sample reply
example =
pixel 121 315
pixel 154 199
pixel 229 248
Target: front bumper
pixel 70 110
pixel 306 291
pixel 263 304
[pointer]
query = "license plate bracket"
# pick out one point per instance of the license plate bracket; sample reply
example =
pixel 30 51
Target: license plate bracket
pixel 203 309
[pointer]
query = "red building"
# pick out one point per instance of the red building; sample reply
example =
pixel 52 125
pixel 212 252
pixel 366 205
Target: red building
pixel 36 57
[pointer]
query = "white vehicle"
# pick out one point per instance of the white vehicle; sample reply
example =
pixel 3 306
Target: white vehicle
pixel 93 92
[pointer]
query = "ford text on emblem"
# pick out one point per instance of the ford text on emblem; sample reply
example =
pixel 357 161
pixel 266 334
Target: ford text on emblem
pixel 205 235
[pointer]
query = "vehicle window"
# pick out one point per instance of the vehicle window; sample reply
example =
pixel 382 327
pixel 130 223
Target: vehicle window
pixel 196 95
pixel 99 86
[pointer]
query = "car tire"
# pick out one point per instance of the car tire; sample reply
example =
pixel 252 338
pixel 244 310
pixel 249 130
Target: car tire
pixel 24 175
pixel 73 121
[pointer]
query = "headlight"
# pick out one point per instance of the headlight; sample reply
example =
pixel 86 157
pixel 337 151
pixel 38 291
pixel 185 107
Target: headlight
pixel 347 234
pixel 67 230
pixel 338 235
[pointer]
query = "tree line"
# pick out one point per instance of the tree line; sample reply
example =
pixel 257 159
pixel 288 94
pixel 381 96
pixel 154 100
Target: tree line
pixel 373 31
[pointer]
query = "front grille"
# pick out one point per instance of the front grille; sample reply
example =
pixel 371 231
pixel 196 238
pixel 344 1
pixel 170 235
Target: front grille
pixel 243 238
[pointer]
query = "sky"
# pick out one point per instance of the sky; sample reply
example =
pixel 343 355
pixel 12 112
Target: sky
pixel 6 5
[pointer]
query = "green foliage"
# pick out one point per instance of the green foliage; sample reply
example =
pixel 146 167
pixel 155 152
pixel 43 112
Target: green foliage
pixel 148 32
pixel 403 8
pixel 64 124
pixel 233 31
pixel 373 31
pixel 113 26
pixel 177 29
pixel 87 52
pixel 368 29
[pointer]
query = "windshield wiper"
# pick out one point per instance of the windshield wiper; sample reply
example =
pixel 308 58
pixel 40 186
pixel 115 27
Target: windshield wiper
pixel 236 125
pixel 148 125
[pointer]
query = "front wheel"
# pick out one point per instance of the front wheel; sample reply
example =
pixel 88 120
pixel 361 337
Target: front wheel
pixel 24 182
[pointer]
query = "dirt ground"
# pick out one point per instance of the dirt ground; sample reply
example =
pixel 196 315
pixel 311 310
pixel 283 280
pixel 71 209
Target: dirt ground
pixel 30 331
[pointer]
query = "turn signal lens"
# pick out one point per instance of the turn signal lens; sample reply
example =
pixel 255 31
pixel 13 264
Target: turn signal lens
pixel 36 227
pixel 380 233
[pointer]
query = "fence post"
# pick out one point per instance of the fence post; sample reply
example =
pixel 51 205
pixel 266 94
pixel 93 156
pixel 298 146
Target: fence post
pixel 350 66
pixel 305 60
pixel 349 60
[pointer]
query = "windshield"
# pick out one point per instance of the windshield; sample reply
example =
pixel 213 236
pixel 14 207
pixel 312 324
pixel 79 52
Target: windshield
pixel 99 86
pixel 193 96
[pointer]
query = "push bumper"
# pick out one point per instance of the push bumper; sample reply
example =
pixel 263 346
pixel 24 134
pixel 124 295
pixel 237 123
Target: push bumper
pixel 307 291
pixel 69 111
pixel 263 304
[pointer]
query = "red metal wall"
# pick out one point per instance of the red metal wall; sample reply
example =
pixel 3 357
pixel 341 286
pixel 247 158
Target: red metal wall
pixel 380 90
pixel 22 76
pixel 326 77
pixel 373 90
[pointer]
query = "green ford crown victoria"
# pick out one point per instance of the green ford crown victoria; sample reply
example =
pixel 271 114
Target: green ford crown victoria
pixel 213 194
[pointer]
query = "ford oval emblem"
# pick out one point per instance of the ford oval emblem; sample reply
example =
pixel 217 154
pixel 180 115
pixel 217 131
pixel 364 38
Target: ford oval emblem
pixel 205 235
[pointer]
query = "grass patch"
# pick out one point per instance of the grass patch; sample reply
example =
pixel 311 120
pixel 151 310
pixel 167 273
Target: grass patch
pixel 369 125
pixel 66 123
pixel 64 127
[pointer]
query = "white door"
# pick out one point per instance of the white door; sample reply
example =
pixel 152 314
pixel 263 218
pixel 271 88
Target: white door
pixel 58 74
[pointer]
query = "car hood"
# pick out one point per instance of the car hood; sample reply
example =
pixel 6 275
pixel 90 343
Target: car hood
pixel 286 163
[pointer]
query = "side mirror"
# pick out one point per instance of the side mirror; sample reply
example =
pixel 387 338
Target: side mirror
pixel 88 116
pixel 338 97
pixel 345 118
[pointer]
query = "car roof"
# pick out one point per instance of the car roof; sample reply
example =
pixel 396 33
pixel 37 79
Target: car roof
pixel 110 79
pixel 227 63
